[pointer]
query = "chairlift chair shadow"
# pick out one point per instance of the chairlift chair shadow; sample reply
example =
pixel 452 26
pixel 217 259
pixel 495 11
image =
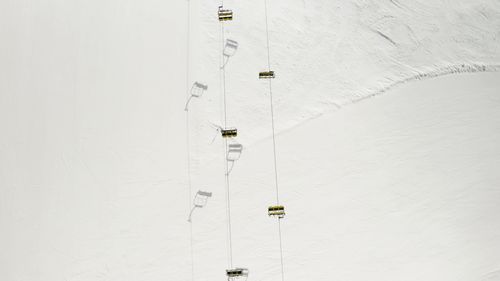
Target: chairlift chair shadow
pixel 230 49
pixel 199 201
pixel 233 154
pixel 196 91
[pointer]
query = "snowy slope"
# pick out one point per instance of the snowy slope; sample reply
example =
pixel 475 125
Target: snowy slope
pixel 331 53
pixel 93 150
pixel 400 187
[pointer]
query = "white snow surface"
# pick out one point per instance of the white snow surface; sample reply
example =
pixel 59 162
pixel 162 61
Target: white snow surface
pixel 93 151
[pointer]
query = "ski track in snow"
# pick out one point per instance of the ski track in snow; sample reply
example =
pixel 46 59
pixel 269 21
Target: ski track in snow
pixel 450 70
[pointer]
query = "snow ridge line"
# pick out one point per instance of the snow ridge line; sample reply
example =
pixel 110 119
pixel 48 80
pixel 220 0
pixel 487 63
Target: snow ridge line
pixel 443 71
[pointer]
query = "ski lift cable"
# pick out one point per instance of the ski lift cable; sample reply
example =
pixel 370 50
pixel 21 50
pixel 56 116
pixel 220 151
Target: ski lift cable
pixel 272 107
pixel 226 174
pixel 228 197
pixel 267 38
pixel 281 251
pixel 274 139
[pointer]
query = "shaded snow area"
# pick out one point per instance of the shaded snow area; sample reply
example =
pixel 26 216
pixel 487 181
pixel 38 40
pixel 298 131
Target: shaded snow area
pixel 93 151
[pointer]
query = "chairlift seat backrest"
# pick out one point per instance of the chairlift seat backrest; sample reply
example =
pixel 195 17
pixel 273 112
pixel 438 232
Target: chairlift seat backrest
pixel 201 86
pixel 204 193
pixel 266 74
pixel 276 209
pixel 235 147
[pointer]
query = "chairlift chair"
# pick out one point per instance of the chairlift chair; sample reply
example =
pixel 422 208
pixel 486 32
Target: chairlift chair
pixel 277 211
pixel 266 74
pixel 229 133
pixel 225 14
